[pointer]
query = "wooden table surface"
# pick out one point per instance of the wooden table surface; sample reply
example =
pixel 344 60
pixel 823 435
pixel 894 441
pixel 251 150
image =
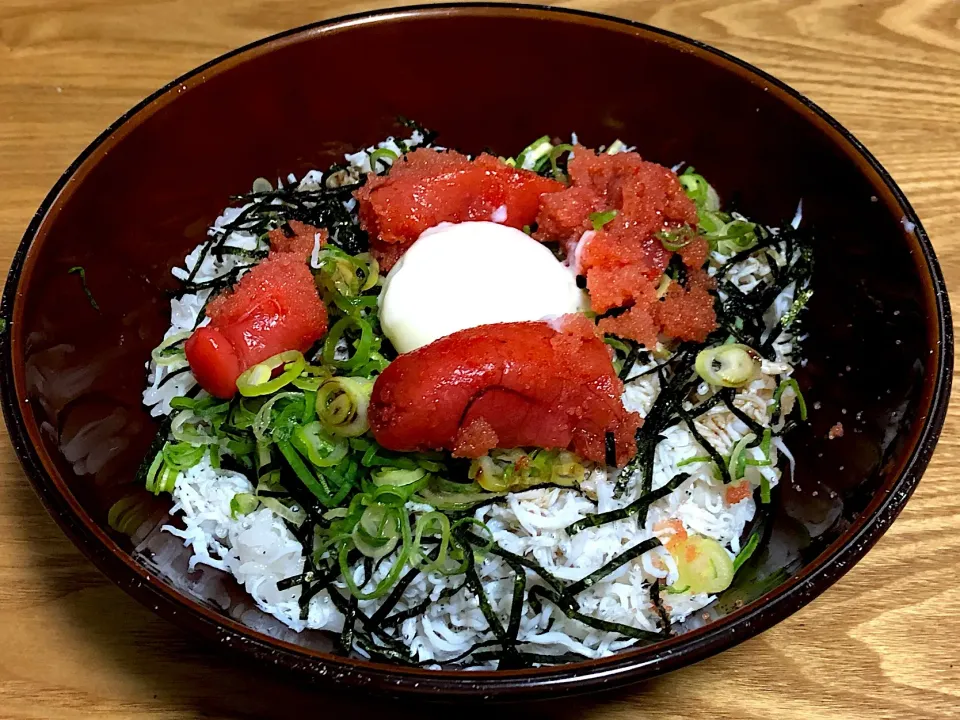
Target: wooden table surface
pixel 883 643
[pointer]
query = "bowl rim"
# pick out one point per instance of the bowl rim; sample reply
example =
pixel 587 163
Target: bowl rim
pixel 629 666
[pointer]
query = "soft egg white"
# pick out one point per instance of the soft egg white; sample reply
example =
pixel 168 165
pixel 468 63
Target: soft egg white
pixel 458 276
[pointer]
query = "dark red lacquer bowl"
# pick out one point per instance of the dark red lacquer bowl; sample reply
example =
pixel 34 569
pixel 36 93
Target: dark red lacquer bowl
pixel 880 345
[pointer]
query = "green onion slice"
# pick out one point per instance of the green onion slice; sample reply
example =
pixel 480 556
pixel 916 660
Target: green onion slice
pixel 699 190
pixel 185 429
pixel 318 446
pixel 555 154
pixel 694 459
pixel 764 490
pixel 304 474
pixel 243 504
pixel 264 424
pixel 342 404
pixel 737 463
pixel 363 345
pixel 382 155
pixel 703 564
pixel 801 402
pixel 395 477
pixel 676 240
pixel 746 552
pixel 437 524
pixel 262 185
pixel 599 219
pixel 730 365
pixel 378 531
pixel 293 514
pixel 533 156
pixel 383 587
pixel 258 379
pixel 617 146
pixel 167 353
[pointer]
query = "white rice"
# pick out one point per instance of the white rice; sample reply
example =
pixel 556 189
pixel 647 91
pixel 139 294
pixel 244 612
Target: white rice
pixel 259 550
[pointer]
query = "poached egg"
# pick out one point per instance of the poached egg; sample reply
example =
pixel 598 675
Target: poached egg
pixel 459 276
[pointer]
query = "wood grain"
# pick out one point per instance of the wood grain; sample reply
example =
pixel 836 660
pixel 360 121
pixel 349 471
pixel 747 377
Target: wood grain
pixel 882 643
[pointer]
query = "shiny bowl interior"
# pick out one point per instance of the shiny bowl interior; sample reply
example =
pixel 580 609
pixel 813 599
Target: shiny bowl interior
pixel 879 347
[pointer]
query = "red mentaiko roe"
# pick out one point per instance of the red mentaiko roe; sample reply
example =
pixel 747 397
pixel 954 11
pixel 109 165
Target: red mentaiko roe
pixel 505 385
pixel 687 312
pixel 618 286
pixel 636 323
pixel 275 307
pixel 297 238
pixel 695 253
pixel 565 215
pixel 625 260
pixel 427 187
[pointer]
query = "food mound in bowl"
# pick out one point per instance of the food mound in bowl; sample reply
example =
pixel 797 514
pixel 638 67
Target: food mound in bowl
pixel 480 411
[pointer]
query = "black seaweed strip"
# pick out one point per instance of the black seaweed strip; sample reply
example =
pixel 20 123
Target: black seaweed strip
pixel 172 374
pixel 703 407
pixel 308 572
pixel 218 283
pixel 643 501
pixel 668 402
pixel 476 587
pixel 619 628
pixel 554 583
pixel 462 656
pixel 610 448
pixel 402 584
pixel 380 652
pixel 711 450
pixel 163 433
pixel 319 585
pixel 529 659
pixel 620 560
pixel 516 603
pixel 646 477
pixel 674 359
pixel 788 426
pixel 421 608
pixel 203 256
pixel 766 347
pixel 273 494
pixel 661 610
pixel 349 620
pixel 498 499
pixel 247 254
pixel 344 606
pixel 293 580
pixel 629 362
pixel 755 427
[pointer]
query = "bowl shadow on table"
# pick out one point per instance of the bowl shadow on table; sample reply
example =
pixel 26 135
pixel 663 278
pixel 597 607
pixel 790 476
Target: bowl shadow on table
pixel 155 664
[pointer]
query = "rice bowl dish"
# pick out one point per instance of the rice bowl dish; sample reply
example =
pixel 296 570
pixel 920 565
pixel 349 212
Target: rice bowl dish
pixel 463 548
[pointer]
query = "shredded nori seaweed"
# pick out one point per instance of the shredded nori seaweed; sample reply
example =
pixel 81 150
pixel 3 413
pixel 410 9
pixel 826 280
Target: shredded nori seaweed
pixel 83 282
pixel 740 315
pixel 172 374
pixel 610 447
pixel 539 593
pixel 727 396
pixel 620 560
pixel 637 506
pixel 659 607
